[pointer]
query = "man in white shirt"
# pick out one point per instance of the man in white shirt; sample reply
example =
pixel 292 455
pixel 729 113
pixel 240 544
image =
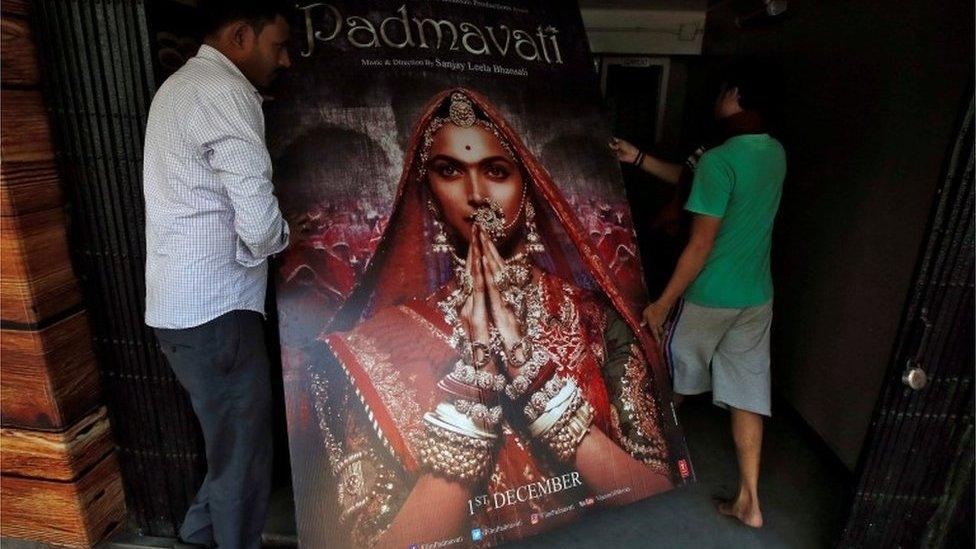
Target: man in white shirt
pixel 212 220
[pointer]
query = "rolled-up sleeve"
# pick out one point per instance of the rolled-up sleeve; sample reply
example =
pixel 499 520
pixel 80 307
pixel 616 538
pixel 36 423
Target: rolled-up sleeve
pixel 230 131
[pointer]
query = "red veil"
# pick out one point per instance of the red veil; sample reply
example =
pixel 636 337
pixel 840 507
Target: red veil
pixel 393 346
pixel 402 265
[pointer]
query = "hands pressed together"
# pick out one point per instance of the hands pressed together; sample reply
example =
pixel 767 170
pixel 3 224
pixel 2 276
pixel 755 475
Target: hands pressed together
pixel 485 307
pixel 503 369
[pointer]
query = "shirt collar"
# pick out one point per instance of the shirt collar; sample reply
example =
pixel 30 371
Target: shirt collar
pixel 213 54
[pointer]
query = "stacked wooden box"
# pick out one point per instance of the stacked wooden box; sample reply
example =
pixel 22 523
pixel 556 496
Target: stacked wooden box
pixel 60 480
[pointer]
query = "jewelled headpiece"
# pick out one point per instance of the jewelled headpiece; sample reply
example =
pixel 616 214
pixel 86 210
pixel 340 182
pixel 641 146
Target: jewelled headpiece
pixel 461 112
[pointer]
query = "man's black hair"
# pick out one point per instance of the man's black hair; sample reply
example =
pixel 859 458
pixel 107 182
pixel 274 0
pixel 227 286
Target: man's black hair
pixel 214 14
pixel 755 82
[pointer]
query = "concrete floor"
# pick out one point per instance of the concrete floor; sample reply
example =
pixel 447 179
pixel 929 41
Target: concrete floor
pixel 803 491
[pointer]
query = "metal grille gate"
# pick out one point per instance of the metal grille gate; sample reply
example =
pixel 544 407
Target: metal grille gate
pixel 98 84
pixel 918 464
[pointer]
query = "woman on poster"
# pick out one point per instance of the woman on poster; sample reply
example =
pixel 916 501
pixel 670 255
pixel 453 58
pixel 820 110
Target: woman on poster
pixel 485 351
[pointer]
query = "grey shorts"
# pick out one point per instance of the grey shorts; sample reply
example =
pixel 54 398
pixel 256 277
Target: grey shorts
pixel 725 351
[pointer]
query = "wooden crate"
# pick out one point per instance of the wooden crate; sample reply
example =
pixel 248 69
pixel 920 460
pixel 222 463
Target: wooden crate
pixel 27 187
pixel 59 474
pixel 60 456
pixel 15 7
pixel 26 133
pixel 36 276
pixel 18 57
pixel 50 377
pixel 76 514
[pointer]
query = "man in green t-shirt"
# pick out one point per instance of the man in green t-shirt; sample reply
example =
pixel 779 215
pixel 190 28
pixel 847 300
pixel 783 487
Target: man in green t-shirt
pixel 721 290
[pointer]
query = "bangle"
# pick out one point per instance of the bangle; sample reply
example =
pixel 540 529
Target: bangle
pixel 456 457
pixel 545 376
pixel 567 437
pixel 540 400
pixel 565 420
pixel 449 418
pixel 565 399
pixel 528 373
pixel 479 413
pixel 479 404
pixel 455 390
pixel 466 374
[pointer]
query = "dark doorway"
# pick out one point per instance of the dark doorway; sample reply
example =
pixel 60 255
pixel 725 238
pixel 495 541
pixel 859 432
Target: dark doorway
pixel 635 90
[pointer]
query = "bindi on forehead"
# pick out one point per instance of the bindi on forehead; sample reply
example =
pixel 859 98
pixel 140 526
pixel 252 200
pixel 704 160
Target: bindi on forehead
pixel 468 145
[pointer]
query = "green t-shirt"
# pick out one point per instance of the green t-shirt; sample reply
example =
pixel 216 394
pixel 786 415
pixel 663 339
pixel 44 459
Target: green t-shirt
pixel 741 182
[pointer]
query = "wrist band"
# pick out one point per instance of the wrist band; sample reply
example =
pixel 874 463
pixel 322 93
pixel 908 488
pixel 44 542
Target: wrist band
pixel 639 158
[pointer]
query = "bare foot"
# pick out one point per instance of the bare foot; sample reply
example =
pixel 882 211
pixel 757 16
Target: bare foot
pixel 743 508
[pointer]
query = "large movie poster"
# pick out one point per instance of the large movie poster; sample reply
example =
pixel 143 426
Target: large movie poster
pixel 463 356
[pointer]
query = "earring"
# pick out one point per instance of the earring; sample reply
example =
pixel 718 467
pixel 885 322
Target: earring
pixel 441 245
pixel 533 244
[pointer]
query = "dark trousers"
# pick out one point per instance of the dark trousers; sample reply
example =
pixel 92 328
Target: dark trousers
pixel 223 365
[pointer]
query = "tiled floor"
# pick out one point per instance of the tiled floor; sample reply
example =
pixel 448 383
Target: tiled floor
pixel 802 489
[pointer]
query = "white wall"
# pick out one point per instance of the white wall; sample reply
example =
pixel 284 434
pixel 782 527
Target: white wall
pixel 644 31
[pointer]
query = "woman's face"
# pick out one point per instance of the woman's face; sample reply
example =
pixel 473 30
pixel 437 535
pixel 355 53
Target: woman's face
pixel 466 166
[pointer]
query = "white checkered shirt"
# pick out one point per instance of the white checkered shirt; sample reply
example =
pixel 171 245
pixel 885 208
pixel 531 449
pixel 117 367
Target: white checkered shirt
pixel 212 218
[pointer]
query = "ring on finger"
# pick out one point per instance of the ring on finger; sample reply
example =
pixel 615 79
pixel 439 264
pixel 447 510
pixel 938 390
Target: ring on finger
pixel 502 281
pixel 466 282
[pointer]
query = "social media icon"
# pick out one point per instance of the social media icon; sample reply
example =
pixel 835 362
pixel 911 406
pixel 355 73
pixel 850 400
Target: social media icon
pixel 476 534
